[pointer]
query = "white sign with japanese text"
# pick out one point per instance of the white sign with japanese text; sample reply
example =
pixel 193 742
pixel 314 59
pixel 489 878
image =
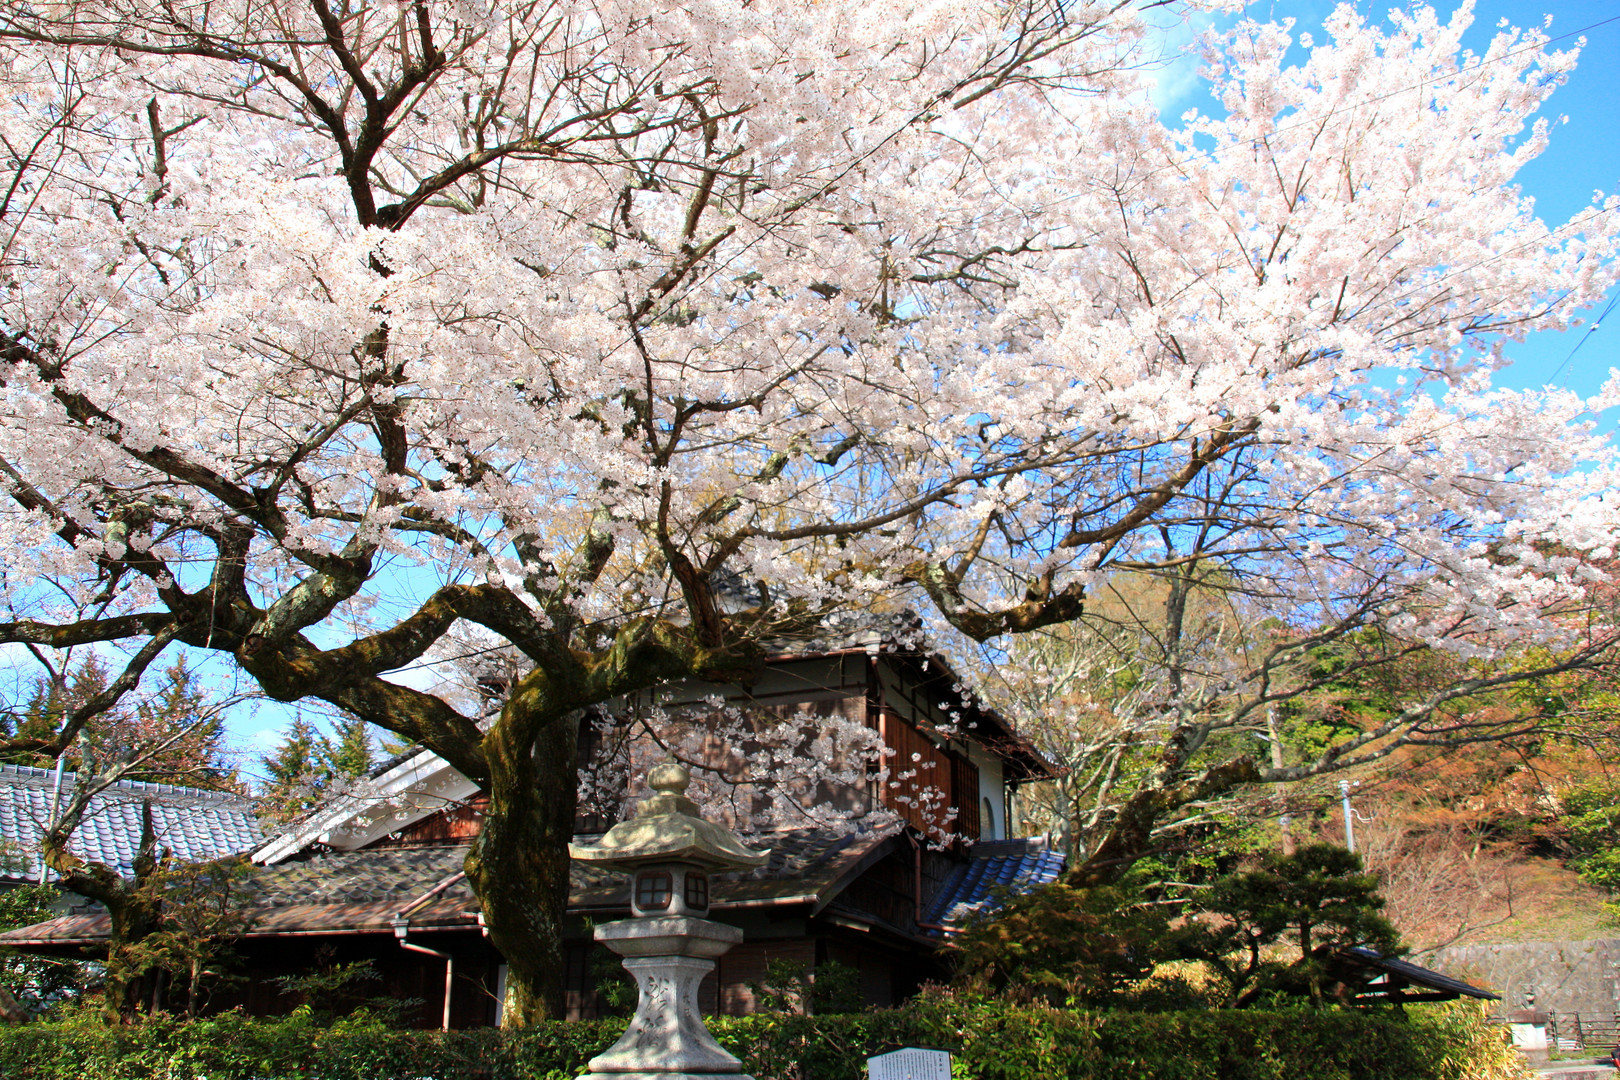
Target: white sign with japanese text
pixel 910 1063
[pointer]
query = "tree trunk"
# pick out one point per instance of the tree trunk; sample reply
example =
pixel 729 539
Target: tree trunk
pixel 135 914
pixel 194 989
pixel 132 907
pixel 518 865
pixel 1165 790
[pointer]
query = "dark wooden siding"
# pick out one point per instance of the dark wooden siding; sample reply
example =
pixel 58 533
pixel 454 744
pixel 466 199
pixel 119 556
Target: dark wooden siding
pixel 965 796
pixel 452 825
pixel 925 757
pixel 887 891
pixel 747 963
pixel 400 974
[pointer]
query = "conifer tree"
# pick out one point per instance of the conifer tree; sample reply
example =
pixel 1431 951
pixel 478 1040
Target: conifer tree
pixel 295 774
pixel 177 731
pixel 350 755
pixel 36 718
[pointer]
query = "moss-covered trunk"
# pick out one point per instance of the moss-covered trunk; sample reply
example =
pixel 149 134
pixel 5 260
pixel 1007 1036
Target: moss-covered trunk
pixel 133 907
pixel 130 985
pixel 518 865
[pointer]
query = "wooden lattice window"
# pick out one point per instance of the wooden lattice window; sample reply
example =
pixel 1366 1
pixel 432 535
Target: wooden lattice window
pixel 653 890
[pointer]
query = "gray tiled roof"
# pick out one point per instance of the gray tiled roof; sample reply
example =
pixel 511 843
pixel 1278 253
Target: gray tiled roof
pixel 193 824
pixel 367 876
pixel 1018 866
pixel 366 890
pixel 803 862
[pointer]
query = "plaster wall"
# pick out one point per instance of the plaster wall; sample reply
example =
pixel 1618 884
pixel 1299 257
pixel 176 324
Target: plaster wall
pixel 992 793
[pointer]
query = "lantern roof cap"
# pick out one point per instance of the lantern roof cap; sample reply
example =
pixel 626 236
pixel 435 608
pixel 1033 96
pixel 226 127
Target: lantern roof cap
pixel 668 828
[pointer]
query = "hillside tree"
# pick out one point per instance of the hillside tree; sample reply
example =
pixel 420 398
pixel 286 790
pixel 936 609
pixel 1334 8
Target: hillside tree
pixel 308 767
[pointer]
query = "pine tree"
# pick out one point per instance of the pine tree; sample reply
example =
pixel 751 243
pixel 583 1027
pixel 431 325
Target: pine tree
pixel 176 733
pixel 38 717
pixel 350 754
pixel 298 774
pixel 49 700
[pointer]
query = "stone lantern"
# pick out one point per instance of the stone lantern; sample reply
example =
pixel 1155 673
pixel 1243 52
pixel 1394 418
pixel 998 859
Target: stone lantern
pixel 668 945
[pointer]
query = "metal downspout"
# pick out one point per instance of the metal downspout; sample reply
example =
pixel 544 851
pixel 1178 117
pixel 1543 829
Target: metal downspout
pixel 402 926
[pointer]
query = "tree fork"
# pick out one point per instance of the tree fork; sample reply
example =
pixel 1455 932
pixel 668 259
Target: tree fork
pixel 1131 836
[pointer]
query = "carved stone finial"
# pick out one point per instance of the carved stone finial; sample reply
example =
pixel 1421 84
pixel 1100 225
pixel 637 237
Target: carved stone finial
pixel 668 828
pixel 670 777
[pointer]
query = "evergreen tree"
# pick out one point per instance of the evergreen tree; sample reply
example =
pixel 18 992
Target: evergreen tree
pixel 390 745
pixel 296 774
pixel 1315 902
pixel 309 766
pixel 177 734
pixel 350 754
pixel 48 701
pixel 174 734
pixel 1063 946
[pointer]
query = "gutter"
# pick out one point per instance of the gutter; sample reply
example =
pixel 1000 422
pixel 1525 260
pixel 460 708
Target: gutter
pixel 401 923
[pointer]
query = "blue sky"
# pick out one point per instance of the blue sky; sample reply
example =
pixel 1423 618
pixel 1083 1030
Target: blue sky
pixel 1584 155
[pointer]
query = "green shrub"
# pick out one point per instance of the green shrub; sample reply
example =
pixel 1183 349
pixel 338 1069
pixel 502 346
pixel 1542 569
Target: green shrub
pixel 988 1041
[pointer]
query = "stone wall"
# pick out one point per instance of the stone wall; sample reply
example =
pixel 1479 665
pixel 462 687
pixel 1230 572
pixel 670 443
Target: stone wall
pixel 1565 976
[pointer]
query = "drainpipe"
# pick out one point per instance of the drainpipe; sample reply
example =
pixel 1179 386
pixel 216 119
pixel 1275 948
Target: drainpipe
pixel 917 887
pixel 402 926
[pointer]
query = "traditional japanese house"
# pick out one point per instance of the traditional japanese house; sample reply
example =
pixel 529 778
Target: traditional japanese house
pixel 377 875
pixel 191 824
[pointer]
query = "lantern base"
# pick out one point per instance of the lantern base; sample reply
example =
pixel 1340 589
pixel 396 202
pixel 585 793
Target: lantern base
pixel 666 1039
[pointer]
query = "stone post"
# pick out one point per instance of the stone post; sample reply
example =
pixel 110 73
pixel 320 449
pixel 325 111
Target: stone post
pixel 1529 1028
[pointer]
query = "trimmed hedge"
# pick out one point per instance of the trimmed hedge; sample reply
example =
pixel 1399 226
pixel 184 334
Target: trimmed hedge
pixel 988 1042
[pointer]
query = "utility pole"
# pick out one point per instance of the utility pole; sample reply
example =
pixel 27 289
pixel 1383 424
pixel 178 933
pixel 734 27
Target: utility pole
pixel 1279 789
pixel 1349 817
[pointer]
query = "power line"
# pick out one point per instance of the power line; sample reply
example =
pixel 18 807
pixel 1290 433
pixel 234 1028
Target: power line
pixel 1590 330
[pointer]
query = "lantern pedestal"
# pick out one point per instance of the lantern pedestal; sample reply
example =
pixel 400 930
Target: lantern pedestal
pixel 666 1039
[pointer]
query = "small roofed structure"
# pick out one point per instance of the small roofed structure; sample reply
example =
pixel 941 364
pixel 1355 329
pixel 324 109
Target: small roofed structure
pixel 1376 979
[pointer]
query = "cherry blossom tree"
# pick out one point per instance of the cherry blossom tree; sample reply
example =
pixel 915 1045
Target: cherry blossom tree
pixel 330 325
